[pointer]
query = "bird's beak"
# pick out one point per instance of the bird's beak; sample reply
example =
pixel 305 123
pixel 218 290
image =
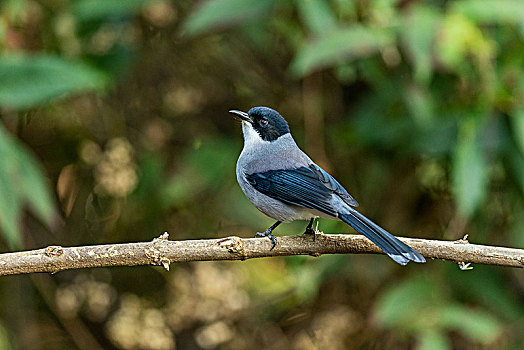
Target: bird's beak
pixel 242 115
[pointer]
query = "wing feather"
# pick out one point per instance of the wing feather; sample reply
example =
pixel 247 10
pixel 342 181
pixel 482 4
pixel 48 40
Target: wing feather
pixel 301 186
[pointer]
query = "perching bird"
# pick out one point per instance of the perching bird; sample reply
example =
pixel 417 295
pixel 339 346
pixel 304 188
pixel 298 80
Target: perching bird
pixel 286 185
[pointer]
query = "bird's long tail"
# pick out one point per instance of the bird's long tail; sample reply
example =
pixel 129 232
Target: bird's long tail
pixel 392 246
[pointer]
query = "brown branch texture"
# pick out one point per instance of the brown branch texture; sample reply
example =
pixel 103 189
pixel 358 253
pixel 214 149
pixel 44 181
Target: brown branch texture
pixel 161 251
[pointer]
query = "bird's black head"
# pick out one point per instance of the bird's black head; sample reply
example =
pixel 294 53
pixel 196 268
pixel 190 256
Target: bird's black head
pixel 267 122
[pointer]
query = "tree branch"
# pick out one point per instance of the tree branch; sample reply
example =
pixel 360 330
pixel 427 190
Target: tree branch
pixel 160 251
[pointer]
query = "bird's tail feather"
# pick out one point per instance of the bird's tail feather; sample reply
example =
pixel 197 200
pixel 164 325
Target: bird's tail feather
pixel 392 246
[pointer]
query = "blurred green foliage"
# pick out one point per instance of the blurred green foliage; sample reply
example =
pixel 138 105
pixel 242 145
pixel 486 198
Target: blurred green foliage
pixel 427 314
pixel 417 107
pixel 35 80
pixel 21 182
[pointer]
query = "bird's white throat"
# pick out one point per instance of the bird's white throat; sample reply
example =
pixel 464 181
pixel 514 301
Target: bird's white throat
pixel 251 137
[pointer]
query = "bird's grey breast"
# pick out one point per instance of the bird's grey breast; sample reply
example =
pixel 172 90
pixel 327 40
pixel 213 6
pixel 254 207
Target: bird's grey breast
pixel 282 153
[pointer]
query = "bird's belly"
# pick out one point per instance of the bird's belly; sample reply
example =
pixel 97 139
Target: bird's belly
pixel 282 211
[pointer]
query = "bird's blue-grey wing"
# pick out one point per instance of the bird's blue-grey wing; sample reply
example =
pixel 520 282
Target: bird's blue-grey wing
pixel 301 186
pixel 331 183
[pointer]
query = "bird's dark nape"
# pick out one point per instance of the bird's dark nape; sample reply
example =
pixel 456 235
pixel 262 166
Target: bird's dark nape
pixel 273 126
pixel 392 246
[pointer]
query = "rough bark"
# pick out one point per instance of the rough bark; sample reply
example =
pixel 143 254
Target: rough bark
pixel 161 251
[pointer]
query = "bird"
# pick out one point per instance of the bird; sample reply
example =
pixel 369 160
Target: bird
pixel 285 184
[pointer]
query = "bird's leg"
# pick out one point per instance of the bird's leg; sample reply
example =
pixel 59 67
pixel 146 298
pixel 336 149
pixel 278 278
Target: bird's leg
pixel 310 230
pixel 268 233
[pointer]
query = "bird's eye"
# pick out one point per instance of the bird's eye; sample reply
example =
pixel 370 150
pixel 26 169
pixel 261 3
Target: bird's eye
pixel 263 122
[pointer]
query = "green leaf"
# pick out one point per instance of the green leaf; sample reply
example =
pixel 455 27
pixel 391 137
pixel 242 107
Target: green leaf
pixel 337 46
pixel 88 10
pixel 459 37
pixel 476 325
pixel 317 15
pixel 36 188
pixel 491 11
pixel 419 42
pixel 222 13
pixel 469 170
pixel 30 81
pixel 10 202
pixel 431 339
pixel 401 304
pixel 21 182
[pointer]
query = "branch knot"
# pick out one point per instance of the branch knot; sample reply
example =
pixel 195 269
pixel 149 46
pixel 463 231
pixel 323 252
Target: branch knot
pixel 233 245
pixel 54 251
pixel 155 256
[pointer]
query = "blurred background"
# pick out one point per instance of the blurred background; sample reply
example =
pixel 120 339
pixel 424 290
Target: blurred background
pixel 114 128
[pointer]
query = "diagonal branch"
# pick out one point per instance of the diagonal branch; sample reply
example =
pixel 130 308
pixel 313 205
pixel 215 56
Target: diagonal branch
pixel 160 251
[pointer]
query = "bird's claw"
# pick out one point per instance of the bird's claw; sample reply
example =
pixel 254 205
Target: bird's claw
pixel 309 231
pixel 269 235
